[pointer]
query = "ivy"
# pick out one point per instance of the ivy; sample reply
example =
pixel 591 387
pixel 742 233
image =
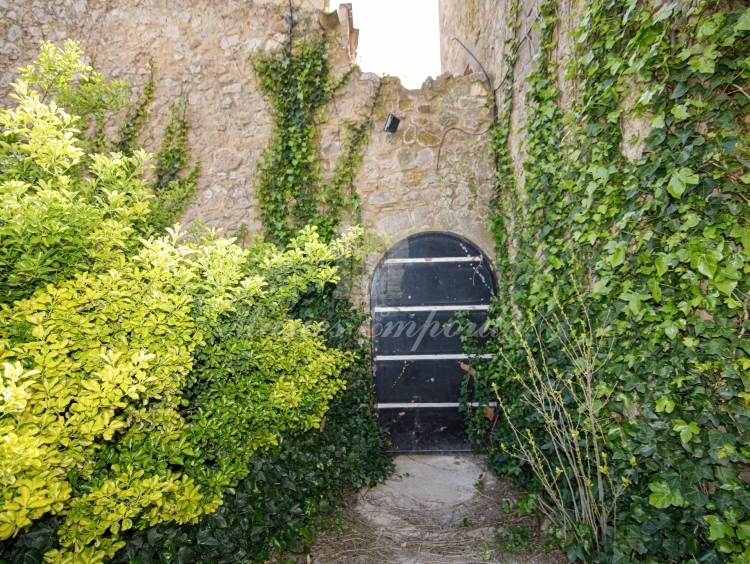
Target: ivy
pixel 173 187
pixel 135 119
pixel 341 194
pixel 659 248
pixel 291 192
pixel 504 186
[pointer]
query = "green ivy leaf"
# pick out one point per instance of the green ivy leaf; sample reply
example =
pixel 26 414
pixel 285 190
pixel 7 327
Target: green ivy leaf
pixel 743 530
pixel 663 496
pixel 705 261
pixel 679 181
pixel 601 286
pixel 653 285
pixel 703 65
pixel 618 257
pixel 725 285
pixel 710 26
pixel 672 328
pixel 663 262
pixel 664 405
pixel 680 112
pixel 686 430
pixel 717 528
pixel 743 24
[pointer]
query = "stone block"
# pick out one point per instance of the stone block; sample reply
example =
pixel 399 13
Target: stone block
pixel 410 134
pixel 381 197
pixel 226 160
pixel 425 158
pixel 397 224
pixel 405 157
pixel 427 139
pixel 471 102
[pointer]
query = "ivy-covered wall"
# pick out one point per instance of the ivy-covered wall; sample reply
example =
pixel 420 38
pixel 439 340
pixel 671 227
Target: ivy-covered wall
pixel 621 221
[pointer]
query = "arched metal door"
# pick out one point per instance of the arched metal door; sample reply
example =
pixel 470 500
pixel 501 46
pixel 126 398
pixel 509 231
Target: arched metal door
pixel 417 288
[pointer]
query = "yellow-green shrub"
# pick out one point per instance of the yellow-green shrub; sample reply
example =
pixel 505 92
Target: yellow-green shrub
pixel 116 430
pixel 138 376
pixel 56 216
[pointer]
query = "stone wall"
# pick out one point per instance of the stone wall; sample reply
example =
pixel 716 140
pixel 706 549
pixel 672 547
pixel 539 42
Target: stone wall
pixel 201 50
pixel 434 173
pixel 483 26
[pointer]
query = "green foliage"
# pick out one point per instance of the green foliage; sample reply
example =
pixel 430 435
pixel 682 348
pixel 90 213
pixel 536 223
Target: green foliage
pixel 135 119
pixel 297 81
pixel 340 195
pixel 60 74
pixel 291 488
pixel 570 462
pixel 109 353
pixel 172 156
pixel 515 540
pixel 173 187
pixel 154 383
pixel 659 248
pixel 58 217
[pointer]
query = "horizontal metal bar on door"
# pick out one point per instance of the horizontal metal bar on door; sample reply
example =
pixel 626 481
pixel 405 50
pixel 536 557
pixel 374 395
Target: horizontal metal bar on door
pixel 414 405
pixel 382 309
pixel 431 259
pixel 432 356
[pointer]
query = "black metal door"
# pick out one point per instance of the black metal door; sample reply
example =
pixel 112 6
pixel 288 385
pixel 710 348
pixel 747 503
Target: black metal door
pixel 417 288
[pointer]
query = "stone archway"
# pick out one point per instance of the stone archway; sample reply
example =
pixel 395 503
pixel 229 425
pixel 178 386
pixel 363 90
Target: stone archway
pixel 417 287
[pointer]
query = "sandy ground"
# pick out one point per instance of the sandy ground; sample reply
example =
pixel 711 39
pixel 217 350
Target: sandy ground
pixel 436 509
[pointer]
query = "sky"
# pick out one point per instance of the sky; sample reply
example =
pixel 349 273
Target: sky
pixel 398 38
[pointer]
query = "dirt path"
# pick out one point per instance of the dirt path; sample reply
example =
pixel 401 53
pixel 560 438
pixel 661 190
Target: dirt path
pixel 436 509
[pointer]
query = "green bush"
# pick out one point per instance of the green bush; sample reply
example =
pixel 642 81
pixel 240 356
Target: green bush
pixel 134 409
pixel 290 488
pixel 142 377
pixel 56 216
pixel 60 76
pixel 658 247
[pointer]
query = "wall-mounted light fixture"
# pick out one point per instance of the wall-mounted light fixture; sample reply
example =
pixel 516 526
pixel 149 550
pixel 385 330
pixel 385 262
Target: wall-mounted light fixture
pixel 391 124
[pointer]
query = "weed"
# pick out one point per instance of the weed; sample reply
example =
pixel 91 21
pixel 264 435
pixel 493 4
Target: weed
pixel 515 540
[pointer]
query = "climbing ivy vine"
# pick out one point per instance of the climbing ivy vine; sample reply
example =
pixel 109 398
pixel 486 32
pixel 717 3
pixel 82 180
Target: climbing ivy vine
pixel 173 185
pixel 654 251
pixel 291 192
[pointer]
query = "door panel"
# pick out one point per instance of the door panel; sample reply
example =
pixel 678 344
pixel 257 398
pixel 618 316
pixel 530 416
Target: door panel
pixel 418 361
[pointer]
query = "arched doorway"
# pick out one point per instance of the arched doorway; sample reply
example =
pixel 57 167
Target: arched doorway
pixel 417 287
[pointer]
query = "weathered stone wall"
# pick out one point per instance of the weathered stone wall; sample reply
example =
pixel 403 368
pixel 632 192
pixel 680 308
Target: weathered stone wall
pixel 434 173
pixel 201 50
pixel 483 26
